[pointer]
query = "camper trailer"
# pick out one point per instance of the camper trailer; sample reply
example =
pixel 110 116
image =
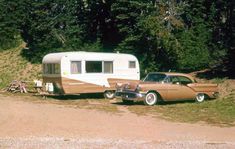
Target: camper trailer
pixel 89 72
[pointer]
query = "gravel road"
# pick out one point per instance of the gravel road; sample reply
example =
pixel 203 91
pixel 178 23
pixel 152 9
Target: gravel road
pixel 54 143
pixel 25 124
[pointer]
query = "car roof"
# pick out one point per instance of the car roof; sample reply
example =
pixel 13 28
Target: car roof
pixel 174 74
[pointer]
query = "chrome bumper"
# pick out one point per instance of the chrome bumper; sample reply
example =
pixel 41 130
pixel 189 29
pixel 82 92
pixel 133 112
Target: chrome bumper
pixel 128 95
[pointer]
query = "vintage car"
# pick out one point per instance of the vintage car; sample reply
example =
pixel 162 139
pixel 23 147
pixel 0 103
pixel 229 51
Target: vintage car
pixel 166 86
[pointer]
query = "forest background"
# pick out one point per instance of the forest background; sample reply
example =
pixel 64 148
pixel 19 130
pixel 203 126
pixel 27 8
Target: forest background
pixel 176 35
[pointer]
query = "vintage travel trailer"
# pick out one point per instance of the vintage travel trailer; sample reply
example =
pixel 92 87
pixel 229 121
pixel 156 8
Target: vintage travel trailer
pixel 89 72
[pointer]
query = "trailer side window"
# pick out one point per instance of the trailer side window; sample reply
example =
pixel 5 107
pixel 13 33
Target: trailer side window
pixel 51 68
pixel 45 69
pixel 57 68
pixel 132 64
pixel 108 67
pixel 93 66
pixel 76 67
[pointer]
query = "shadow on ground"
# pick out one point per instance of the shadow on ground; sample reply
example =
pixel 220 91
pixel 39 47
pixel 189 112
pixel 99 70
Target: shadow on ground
pixel 158 104
pixel 77 97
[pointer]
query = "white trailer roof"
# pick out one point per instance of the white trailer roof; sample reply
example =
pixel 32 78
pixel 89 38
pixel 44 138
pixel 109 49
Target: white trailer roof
pixel 82 55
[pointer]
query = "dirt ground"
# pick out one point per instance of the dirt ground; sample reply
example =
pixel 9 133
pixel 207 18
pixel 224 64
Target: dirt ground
pixel 25 124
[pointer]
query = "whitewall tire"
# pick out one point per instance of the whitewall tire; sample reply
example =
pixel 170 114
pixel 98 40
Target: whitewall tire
pixel 150 99
pixel 200 97
pixel 109 94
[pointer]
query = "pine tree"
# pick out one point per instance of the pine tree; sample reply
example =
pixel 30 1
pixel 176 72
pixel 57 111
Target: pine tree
pixel 10 18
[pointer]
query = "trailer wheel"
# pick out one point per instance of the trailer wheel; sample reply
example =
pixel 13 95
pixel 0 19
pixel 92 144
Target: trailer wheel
pixel 109 94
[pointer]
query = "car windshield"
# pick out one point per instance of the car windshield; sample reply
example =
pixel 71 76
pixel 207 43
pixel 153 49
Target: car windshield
pixel 154 77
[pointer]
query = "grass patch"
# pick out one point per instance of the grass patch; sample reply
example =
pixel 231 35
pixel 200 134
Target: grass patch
pixel 218 112
pixel 219 80
pixel 14 67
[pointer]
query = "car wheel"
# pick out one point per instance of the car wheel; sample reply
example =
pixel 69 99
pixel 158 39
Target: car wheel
pixel 150 99
pixel 200 97
pixel 109 94
pixel 127 101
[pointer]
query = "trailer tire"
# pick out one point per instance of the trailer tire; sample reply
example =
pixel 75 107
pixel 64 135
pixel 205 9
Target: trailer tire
pixel 109 94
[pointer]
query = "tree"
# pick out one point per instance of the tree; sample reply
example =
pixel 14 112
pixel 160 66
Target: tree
pixel 164 34
pixel 10 18
pixel 53 26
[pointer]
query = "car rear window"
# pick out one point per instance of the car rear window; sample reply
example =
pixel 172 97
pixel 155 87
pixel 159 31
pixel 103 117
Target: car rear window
pixel 184 80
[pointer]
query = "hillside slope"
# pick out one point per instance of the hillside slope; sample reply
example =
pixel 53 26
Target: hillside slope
pixel 14 67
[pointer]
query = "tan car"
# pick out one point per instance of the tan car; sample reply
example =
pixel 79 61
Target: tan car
pixel 160 86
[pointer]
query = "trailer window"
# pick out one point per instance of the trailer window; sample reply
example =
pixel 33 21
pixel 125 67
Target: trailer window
pixel 108 67
pixel 45 69
pixel 51 68
pixel 76 67
pixel 48 69
pixel 57 68
pixel 93 66
pixel 132 64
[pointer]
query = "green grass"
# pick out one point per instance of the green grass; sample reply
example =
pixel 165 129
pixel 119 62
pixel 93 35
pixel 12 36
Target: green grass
pixel 217 112
pixel 219 80
pixel 14 67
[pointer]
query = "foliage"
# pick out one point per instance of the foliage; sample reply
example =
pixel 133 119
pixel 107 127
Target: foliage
pixel 9 32
pixel 164 34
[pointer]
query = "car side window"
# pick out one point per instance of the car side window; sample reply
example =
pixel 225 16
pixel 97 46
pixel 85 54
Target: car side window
pixel 173 79
pixel 184 80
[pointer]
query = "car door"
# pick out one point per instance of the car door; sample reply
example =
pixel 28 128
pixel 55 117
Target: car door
pixel 178 89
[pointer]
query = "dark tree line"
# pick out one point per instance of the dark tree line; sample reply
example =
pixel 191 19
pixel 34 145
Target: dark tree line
pixel 182 35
